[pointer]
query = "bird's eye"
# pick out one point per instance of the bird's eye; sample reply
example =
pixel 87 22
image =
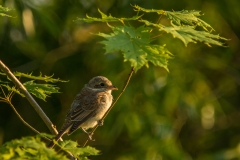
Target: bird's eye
pixel 101 84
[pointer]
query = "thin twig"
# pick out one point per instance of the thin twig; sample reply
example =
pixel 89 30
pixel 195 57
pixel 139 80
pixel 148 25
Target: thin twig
pixel 115 101
pixel 35 105
pixel 31 100
pixel 7 99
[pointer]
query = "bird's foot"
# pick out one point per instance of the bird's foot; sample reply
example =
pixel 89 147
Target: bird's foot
pixel 100 122
pixel 90 137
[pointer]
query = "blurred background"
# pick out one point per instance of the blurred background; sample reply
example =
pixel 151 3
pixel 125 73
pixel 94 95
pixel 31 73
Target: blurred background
pixel 192 112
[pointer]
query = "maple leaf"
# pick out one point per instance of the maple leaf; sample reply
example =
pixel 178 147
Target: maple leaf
pixel 189 34
pixel 40 90
pixel 106 18
pixel 135 46
pixel 187 18
pixel 180 17
pixel 82 152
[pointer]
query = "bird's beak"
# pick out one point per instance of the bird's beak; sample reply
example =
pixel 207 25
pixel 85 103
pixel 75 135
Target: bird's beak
pixel 112 88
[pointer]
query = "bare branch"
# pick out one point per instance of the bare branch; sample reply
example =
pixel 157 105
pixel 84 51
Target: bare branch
pixel 29 98
pixel 32 101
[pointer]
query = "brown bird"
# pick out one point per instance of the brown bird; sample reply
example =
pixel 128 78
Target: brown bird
pixel 88 107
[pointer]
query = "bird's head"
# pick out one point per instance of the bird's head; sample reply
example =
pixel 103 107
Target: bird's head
pixel 101 83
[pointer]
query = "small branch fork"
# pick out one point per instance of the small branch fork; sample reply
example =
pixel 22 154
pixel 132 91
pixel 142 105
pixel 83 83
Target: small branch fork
pixel 31 100
pixel 114 102
pixel 7 99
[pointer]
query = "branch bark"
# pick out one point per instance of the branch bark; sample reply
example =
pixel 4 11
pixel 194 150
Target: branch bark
pixel 31 100
pixel 35 105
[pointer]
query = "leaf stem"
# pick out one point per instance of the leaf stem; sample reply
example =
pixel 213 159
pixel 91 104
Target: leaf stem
pixel 115 101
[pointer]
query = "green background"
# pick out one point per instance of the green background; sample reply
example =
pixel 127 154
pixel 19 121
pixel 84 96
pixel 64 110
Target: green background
pixel 192 112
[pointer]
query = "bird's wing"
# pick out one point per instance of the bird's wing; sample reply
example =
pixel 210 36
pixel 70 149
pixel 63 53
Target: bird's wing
pixel 86 105
pixel 83 107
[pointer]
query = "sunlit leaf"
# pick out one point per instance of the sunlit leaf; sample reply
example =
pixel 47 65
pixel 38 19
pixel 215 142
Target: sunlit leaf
pixel 12 89
pixel 179 18
pixel 158 55
pixel 40 90
pixel 135 46
pixel 40 77
pixel 77 151
pixel 138 8
pixel 4 9
pixel 189 34
pixel 28 148
pixel 187 18
pixel 106 18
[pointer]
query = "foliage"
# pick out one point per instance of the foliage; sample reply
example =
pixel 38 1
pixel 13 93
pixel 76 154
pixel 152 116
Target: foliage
pixel 41 91
pixel 106 18
pixel 82 153
pixel 134 43
pixel 180 17
pixel 188 34
pixel 190 113
pixel 4 9
pixel 33 148
pixel 135 46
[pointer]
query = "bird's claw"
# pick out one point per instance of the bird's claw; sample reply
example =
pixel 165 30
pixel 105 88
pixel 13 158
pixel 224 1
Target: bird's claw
pixel 100 123
pixel 90 134
pixel 90 137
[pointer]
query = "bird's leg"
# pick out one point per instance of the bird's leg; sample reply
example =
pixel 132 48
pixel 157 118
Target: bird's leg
pixel 89 135
pixel 100 122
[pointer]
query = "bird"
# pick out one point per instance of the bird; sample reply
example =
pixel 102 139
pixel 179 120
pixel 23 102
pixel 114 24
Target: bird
pixel 88 107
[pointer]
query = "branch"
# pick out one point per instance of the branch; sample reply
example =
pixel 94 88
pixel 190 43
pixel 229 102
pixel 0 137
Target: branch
pixel 33 103
pixel 24 122
pixel 115 101
pixel 29 98
pixel 7 99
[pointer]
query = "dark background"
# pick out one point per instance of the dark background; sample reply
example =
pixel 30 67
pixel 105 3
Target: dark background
pixel 192 112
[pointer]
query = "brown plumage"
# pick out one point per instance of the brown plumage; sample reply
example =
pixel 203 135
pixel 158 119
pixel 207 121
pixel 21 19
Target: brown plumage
pixel 88 107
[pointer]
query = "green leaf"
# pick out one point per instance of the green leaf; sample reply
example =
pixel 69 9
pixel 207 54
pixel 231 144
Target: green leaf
pixel 187 18
pixel 158 55
pixel 188 34
pixel 12 89
pixel 180 17
pixel 4 9
pixel 40 90
pixel 106 18
pixel 40 77
pixel 76 151
pixel 130 41
pixel 137 8
pixel 135 46
pixel 28 148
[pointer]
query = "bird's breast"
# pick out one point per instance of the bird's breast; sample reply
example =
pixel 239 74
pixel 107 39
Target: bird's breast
pixel 104 105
